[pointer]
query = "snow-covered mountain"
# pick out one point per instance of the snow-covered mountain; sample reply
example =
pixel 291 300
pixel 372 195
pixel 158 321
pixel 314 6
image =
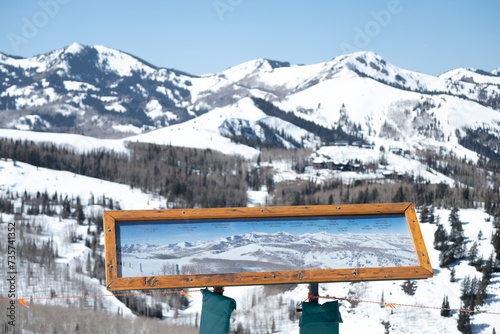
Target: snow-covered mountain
pixel 88 90
pixel 261 103
pixel 358 97
pixel 258 252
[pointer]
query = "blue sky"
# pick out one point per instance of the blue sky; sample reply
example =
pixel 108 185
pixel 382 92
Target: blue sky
pixel 206 36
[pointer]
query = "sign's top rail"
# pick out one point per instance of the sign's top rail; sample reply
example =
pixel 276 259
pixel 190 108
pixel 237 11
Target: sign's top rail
pixel 269 211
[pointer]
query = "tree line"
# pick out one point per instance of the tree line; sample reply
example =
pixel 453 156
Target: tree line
pixel 186 177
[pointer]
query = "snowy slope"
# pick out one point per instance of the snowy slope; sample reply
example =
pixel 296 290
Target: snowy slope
pixel 16 178
pixel 471 76
pixel 362 317
pixel 395 163
pixel 210 129
pixel 78 143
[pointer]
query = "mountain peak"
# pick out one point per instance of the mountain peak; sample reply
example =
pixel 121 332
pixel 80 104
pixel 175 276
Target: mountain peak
pixel 255 66
pixel 276 63
pixel 359 56
pixel 472 76
pixel 368 55
pixel 362 59
pixel 74 48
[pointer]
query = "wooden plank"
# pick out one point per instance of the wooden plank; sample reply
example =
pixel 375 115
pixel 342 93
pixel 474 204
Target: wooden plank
pixel 266 278
pixel 418 240
pixel 278 211
pixel 110 248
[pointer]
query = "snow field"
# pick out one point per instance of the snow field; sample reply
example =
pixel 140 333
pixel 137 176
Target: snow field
pixel 363 317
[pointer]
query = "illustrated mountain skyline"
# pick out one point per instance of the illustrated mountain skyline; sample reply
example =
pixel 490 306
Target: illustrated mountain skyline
pixel 275 251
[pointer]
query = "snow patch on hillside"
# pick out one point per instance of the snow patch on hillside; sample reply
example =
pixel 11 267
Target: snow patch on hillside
pixel 79 143
pixel 19 176
pixel 470 76
pixel 79 86
pixel 203 131
pixel 120 62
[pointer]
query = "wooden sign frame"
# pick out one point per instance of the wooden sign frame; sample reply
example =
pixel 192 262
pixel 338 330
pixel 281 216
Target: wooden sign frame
pixel 114 282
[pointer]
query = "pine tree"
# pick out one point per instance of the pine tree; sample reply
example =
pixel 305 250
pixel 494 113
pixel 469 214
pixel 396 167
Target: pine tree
pixel 80 216
pixel 432 215
pixel 440 238
pixel 399 196
pixel 463 323
pixel 374 195
pixel 88 265
pixel 488 270
pixel 466 291
pixel 424 214
pixel 457 237
pixel 330 199
pixel 452 275
pixel 479 263
pixel 495 241
pixel 446 257
pixel 473 251
pixel 481 292
pixel 445 305
pixel 454 219
pixel 66 208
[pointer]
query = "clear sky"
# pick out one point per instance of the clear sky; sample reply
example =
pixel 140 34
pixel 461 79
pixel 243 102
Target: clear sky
pixel 206 36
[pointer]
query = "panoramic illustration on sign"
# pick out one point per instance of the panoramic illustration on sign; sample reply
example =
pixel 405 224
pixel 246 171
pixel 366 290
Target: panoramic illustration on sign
pixel 223 246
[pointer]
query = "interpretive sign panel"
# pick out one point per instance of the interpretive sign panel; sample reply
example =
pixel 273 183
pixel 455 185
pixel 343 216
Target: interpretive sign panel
pixel 270 245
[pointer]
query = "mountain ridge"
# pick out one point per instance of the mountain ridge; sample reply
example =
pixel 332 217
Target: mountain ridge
pixel 107 93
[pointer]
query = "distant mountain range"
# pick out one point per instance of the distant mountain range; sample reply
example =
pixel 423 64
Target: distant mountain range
pixel 251 252
pixel 358 97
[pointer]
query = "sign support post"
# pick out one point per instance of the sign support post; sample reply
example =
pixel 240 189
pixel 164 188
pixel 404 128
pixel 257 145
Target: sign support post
pixel 216 313
pixel 313 291
pixel 219 290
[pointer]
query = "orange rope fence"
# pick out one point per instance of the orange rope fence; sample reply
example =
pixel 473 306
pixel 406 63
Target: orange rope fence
pixel 393 305
pixel 107 295
pixel 310 296
pixel 182 292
